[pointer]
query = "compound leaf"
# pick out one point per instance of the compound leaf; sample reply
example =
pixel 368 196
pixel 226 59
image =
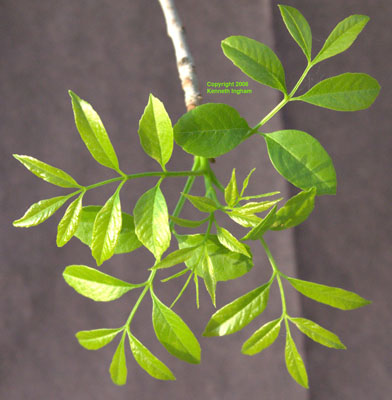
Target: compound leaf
pixel 175 258
pixel 95 284
pixel 318 333
pixel 152 221
pixel 256 60
pixel 173 333
pixel 332 296
pixel 246 181
pixel 93 133
pixel 187 223
pixel 254 207
pixel 118 367
pixel 231 191
pixel 301 159
pixel 345 92
pixel 342 37
pixel 48 173
pixel 203 204
pixel 262 338
pixel 232 243
pixel 156 132
pixel 210 130
pixel 40 211
pixel 258 231
pixel 298 27
pixel 295 211
pixel 208 273
pixel 239 313
pixel 294 363
pixel 97 338
pixel 151 364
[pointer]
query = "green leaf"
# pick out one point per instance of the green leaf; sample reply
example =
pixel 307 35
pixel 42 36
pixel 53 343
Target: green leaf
pixel 187 223
pixel 246 181
pixel 239 313
pixel 175 258
pixel 294 363
pixel 151 364
pixel 298 27
pixel 173 333
pixel 95 284
pixel 259 196
pixel 203 204
pixel 127 240
pixel 345 92
pixel 93 133
pixel 152 221
pixel 231 242
pixel 255 207
pixel 247 221
pixel 156 132
pixel 48 173
pixel 258 231
pixel 342 37
pixel 231 191
pixel 118 367
pixel 256 60
pixel 41 211
pixel 227 264
pixel 106 229
pixel 210 130
pixel 295 211
pixel 262 338
pixel 318 333
pixel 208 273
pixel 332 296
pixel 96 339
pixel 301 159
pixel 70 221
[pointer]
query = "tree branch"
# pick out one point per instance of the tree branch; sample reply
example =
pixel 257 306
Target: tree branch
pixel 185 65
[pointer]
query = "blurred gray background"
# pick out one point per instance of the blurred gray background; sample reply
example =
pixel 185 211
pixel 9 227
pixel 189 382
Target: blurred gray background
pixel 113 54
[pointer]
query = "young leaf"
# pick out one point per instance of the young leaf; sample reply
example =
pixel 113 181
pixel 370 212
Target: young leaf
pixel 342 37
pixel 258 231
pixel 151 364
pixel 95 284
pixel 232 243
pixel 118 367
pixel 70 221
pixel 255 207
pixel 93 133
pixel 106 230
pixel 48 173
pixel 259 196
pixel 239 313
pixel 231 191
pixel 295 211
pixel 201 133
pixel 208 274
pixel 203 204
pixel 332 296
pixel 246 181
pixel 41 211
pixel 262 338
pixel 301 159
pixel 299 28
pixel 187 223
pixel 152 221
pixel 127 240
pixel 156 132
pixel 345 92
pixel 175 258
pixel 318 333
pixel 227 264
pixel 256 60
pixel 245 220
pixel 294 363
pixel 173 333
pixel 96 339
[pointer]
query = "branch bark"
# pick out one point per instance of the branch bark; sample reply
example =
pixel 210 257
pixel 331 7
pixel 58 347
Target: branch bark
pixel 184 59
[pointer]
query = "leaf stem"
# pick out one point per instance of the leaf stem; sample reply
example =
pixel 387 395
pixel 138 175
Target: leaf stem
pixel 182 290
pixel 300 80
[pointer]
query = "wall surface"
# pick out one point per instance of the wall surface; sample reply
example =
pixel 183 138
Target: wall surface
pixel 113 54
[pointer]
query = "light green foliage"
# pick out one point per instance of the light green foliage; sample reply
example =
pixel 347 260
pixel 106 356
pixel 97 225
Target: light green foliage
pixel 156 132
pixel 95 284
pixel 301 159
pixel 201 133
pixel 212 252
pixel 345 92
pixel 256 60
